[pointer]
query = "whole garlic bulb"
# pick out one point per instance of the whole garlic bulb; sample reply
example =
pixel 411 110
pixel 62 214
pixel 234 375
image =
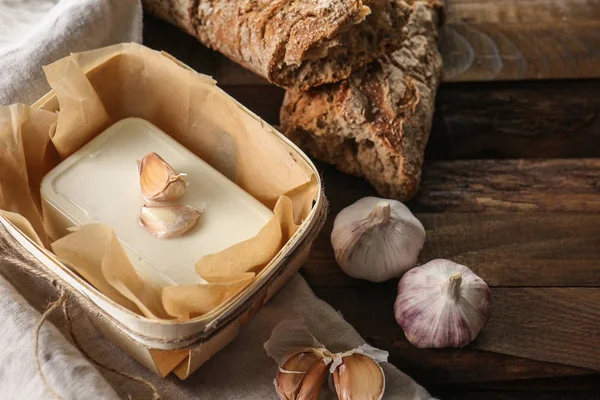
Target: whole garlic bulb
pixel 442 304
pixel 377 239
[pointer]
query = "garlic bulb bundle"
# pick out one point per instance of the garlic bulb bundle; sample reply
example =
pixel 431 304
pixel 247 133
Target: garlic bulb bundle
pixel 442 304
pixel 304 364
pixel 377 239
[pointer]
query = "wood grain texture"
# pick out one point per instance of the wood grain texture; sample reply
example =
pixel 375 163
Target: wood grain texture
pixel 518 249
pixel 506 249
pixel 512 250
pixel 516 120
pixel 492 186
pixel 581 383
pixel 573 341
pixel 556 185
pixel 559 325
pixel 482 40
pixel 501 121
pixel 516 39
pixel 555 242
pixel 368 307
pixel 508 394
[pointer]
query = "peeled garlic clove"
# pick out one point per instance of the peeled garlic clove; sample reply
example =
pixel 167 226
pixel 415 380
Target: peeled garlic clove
pixel 377 239
pixel 442 304
pixel 301 376
pixel 167 222
pixel 158 180
pixel 359 377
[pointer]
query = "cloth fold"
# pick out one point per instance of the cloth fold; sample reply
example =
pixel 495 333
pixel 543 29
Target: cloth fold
pixel 240 371
pixel 65 369
pixel 34 33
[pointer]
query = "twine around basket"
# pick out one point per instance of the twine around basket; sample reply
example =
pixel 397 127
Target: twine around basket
pixel 16 255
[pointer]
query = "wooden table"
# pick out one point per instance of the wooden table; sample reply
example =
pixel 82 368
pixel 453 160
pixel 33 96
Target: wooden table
pixel 511 188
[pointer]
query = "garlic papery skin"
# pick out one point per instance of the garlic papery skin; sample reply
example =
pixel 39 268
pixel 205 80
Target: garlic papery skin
pixel 302 360
pixel 442 304
pixel 166 222
pixel 301 375
pixel 158 180
pixel 358 377
pixel 377 239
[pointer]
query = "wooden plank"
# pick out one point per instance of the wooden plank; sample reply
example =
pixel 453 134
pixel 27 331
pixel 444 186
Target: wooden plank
pixel 515 395
pixel 555 325
pixel 482 40
pixel 506 249
pixel 516 120
pixel 556 185
pixel 559 325
pixel 471 368
pixel 500 120
pixel 369 308
pixel 491 186
pixel 518 249
pixel 516 39
pixel 582 383
pixel 511 250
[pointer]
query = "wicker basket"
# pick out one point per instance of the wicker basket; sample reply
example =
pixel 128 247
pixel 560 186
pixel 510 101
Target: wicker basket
pixel 174 346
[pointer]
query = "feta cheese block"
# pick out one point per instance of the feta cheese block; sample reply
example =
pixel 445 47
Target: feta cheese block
pixel 100 183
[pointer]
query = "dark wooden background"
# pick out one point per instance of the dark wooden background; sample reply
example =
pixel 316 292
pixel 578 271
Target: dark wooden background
pixel 511 188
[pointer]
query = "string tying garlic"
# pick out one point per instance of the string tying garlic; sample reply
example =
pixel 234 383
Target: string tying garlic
pixel 377 239
pixel 442 304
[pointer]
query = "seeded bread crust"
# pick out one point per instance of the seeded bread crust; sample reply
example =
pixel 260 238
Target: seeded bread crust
pixel 293 43
pixel 376 123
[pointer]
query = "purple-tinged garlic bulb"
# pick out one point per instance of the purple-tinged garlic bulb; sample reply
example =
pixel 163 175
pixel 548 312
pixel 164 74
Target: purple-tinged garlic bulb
pixel 442 304
pixel 376 239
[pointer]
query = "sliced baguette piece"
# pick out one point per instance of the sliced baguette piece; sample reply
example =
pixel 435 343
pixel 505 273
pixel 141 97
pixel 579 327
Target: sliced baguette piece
pixel 376 123
pixel 293 43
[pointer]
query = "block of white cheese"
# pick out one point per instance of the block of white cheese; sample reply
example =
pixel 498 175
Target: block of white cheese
pixel 100 183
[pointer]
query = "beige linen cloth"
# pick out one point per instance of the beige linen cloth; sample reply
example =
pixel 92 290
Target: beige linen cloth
pixel 47 30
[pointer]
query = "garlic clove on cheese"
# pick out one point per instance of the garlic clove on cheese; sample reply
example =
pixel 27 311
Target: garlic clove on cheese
pixel 158 180
pixel 165 222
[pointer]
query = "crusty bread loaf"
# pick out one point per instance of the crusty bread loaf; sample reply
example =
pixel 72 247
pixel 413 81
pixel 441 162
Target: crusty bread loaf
pixel 376 123
pixel 293 43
